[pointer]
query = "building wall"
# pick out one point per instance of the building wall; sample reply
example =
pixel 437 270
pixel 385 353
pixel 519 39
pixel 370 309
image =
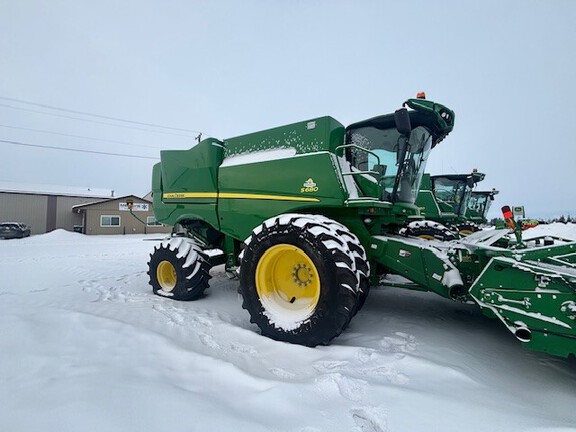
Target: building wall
pixel 65 217
pixel 44 213
pixel 29 209
pixel 128 223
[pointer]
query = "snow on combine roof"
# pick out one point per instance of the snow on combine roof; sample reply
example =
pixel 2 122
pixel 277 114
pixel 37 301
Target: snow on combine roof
pixel 43 189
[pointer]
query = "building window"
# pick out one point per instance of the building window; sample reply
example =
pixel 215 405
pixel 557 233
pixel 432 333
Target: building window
pixel 109 221
pixel 151 221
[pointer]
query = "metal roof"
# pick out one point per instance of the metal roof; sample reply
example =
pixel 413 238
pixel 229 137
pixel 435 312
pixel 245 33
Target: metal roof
pixel 44 189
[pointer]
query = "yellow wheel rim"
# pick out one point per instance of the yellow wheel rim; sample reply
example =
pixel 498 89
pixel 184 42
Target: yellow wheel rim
pixel 465 232
pixel 166 275
pixel 427 237
pixel 287 282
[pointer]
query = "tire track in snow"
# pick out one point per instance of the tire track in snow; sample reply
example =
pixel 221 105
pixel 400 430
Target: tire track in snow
pixel 370 420
pixel 112 289
pixel 352 378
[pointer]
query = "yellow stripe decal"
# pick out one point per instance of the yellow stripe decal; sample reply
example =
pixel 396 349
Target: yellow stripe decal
pixel 180 195
pixel 177 195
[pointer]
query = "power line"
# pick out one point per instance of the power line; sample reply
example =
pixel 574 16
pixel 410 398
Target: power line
pixel 93 121
pixel 78 136
pixel 77 150
pixel 97 115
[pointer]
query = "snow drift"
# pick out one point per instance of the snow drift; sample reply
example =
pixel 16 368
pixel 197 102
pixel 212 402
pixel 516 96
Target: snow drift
pixel 86 346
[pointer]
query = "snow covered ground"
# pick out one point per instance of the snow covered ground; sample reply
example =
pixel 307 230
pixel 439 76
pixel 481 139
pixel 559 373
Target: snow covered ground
pixel 86 346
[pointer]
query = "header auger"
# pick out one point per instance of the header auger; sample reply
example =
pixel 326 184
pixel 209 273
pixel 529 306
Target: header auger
pixel 309 216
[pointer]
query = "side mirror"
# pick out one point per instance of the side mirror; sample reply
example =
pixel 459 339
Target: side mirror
pixel 402 121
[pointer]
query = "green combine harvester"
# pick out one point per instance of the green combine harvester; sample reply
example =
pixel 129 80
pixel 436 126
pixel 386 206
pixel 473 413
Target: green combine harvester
pixel 444 202
pixel 479 205
pixel 308 216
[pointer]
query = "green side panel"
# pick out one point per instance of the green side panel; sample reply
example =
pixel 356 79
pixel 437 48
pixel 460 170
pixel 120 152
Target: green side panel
pixel 193 170
pixel 171 214
pixel 426 183
pixel 426 201
pixel 418 262
pixel 320 134
pixel 559 252
pixel 568 259
pixel 185 183
pixel 254 191
pixel 427 205
pixel 531 295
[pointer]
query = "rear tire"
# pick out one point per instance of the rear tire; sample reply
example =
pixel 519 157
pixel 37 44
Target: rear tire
pixel 428 230
pixel 298 279
pixel 178 269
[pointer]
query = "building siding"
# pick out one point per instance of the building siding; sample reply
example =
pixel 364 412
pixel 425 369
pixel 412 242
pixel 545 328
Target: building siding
pixel 128 222
pixel 46 212
pixel 28 209
pixel 65 217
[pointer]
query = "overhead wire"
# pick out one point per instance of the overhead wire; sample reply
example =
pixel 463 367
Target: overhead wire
pixel 167 129
pixel 78 136
pixel 93 121
pixel 18 143
pixel 42 105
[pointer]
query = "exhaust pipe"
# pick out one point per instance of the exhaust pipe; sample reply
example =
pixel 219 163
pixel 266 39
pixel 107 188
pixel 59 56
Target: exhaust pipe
pixel 522 332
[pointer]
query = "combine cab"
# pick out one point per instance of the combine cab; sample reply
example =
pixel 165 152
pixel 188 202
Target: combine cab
pixel 479 205
pixel 444 201
pixel 308 216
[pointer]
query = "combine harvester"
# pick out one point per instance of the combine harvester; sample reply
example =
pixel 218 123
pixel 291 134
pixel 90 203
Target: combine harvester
pixel 308 215
pixel 478 207
pixel 444 202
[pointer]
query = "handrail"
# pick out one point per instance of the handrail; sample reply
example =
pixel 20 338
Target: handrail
pixel 359 148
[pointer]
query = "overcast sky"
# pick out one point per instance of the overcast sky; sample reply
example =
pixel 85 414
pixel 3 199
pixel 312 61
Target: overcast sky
pixel 226 68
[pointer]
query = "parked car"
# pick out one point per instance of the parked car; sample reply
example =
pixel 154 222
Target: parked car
pixel 14 230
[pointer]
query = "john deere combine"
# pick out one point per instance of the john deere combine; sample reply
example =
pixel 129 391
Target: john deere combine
pixel 308 216
pixel 444 202
pixel 479 205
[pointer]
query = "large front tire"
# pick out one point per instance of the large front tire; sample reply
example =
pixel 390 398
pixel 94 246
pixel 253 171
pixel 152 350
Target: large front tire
pixel 298 280
pixel 360 260
pixel 178 269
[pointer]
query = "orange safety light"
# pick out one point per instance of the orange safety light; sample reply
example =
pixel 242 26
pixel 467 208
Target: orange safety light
pixel 421 95
pixel 508 217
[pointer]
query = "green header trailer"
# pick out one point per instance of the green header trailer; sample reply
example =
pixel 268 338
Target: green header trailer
pixel 308 217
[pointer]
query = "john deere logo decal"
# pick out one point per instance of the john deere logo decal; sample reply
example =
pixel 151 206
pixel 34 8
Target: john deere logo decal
pixel 309 186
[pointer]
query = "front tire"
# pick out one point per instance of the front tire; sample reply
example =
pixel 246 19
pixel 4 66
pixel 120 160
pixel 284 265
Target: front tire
pixel 298 280
pixel 467 228
pixel 178 269
pixel 360 260
pixel 428 230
